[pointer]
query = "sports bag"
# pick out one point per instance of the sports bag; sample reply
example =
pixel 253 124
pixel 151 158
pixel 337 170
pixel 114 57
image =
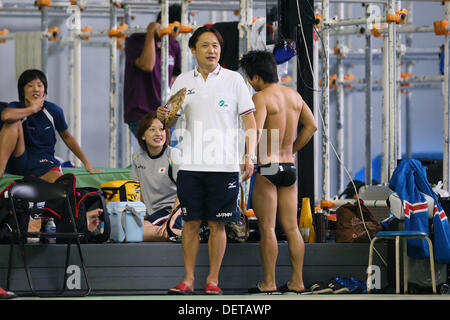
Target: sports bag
pixel 127 221
pixel 239 231
pixel 350 225
pixel 5 217
pixel 83 201
pixel 121 190
pixel 89 199
pixel 7 222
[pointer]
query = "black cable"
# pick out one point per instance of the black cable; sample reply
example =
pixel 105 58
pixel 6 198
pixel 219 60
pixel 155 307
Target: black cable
pixel 323 50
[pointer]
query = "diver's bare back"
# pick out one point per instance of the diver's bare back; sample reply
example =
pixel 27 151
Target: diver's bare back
pixel 284 106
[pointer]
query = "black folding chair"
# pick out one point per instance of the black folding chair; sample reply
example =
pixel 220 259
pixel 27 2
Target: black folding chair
pixel 35 191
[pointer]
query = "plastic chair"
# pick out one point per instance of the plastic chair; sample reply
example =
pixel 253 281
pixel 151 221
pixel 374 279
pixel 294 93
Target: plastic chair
pixel 403 235
pixel 35 191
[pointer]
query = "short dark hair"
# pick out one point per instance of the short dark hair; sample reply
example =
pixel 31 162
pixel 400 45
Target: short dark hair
pixel 261 63
pixel 28 76
pixel 144 124
pixel 199 31
pixel 174 13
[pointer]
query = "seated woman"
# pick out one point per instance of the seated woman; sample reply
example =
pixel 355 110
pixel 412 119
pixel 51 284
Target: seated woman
pixel 27 132
pixel 28 138
pixel 155 167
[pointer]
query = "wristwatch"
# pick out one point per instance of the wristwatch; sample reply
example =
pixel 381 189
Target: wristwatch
pixel 250 156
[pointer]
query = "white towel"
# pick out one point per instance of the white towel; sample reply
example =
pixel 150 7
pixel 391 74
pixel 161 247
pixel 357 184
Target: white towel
pixel 258 35
pixel 27 51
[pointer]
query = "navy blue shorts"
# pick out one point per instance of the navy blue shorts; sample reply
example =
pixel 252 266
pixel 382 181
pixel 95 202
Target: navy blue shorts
pixel 209 196
pixel 31 164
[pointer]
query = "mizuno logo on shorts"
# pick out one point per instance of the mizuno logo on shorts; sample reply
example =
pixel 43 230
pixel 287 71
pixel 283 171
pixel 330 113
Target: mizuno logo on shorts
pixel 232 185
pixel 224 214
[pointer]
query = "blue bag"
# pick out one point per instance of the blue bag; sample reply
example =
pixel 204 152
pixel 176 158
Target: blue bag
pixel 127 221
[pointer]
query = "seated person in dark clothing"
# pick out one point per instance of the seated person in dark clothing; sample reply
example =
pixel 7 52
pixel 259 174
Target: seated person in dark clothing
pixel 27 132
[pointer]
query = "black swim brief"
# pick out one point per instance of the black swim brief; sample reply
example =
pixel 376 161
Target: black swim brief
pixel 281 174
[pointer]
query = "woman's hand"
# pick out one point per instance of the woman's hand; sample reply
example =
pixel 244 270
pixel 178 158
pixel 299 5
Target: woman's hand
pixel 90 169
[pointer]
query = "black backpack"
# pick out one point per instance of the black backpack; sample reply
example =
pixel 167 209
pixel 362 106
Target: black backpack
pixel 82 200
pixel 7 222
pixel 88 199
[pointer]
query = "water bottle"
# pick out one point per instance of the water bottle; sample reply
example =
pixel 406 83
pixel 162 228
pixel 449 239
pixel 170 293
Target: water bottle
pixel 51 227
pixel 306 222
pixel 34 224
pixel 320 224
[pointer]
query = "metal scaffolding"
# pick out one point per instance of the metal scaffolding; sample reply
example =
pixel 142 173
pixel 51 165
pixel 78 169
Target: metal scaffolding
pixel 388 25
pixel 391 25
pixel 113 9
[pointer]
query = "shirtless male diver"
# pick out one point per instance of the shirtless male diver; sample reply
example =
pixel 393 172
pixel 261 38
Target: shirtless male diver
pixel 279 110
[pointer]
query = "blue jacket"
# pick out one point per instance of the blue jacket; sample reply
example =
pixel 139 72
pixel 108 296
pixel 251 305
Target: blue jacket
pixel 409 180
